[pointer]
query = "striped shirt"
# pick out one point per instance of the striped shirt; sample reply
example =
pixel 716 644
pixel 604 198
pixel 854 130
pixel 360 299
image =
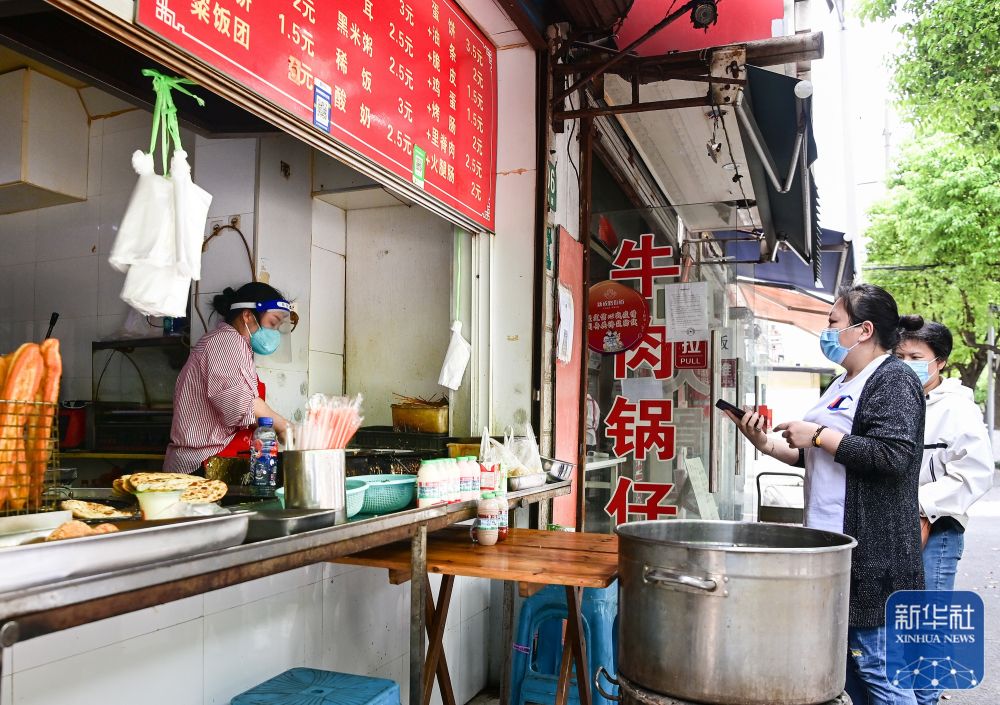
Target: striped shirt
pixel 213 399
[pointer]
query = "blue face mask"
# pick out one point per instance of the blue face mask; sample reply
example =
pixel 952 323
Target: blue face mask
pixel 922 368
pixel 829 343
pixel 265 341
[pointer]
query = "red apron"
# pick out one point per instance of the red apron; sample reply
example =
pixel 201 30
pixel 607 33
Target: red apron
pixel 240 445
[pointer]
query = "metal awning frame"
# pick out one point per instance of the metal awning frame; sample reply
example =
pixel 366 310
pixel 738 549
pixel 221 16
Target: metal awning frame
pixel 694 66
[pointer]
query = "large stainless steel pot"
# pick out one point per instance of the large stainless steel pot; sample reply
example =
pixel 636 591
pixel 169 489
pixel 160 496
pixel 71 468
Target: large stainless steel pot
pixel 734 613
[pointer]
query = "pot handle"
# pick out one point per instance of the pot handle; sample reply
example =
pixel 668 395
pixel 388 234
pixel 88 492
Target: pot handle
pixel 613 681
pixel 670 577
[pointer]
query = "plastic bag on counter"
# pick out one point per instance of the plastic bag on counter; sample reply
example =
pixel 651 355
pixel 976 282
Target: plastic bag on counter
pixel 524 449
pixel 495 462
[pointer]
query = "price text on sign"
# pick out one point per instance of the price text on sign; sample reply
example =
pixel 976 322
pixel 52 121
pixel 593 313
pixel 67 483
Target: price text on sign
pixel 392 79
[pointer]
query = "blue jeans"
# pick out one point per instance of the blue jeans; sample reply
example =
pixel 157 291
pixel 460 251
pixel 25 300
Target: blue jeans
pixel 866 681
pixel 941 555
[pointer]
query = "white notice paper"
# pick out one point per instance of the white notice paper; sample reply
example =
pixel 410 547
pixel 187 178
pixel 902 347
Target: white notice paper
pixel 639 388
pixel 567 324
pixel 686 311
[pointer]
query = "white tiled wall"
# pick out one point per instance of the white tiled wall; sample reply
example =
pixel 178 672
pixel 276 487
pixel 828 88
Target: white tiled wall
pixel 329 272
pixel 209 648
pixel 55 259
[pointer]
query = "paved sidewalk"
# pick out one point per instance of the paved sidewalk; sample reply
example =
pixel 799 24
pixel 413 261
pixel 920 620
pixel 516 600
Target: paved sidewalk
pixel 979 570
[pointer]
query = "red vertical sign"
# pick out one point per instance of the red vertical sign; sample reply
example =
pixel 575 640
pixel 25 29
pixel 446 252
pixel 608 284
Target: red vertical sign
pixel 409 84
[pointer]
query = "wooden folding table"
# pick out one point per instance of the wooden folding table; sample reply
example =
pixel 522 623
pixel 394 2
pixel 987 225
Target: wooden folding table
pixel 529 557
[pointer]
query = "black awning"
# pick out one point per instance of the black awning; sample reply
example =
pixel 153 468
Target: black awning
pixel 776 128
pixel 788 271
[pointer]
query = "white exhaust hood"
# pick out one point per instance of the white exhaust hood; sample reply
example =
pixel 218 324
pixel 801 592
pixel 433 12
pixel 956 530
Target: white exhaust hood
pixel 44 142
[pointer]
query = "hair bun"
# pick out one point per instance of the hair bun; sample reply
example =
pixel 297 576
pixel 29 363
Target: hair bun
pixel 911 322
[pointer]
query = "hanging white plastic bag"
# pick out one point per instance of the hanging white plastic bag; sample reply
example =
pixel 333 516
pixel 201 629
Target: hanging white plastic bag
pixel 156 291
pixel 191 203
pixel 146 232
pixel 459 352
pixel 456 359
pixel 160 238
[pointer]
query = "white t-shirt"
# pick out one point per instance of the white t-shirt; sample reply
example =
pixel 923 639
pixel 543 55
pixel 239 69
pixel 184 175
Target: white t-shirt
pixel 826 479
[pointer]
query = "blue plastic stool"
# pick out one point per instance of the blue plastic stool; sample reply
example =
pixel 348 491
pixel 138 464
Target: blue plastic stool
pixel 538 646
pixel 310 686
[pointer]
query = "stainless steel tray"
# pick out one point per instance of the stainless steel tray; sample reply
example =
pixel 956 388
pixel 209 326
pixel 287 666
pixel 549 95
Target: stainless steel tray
pixel 138 542
pixel 269 524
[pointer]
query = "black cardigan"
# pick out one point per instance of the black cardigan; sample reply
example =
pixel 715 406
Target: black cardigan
pixel 882 455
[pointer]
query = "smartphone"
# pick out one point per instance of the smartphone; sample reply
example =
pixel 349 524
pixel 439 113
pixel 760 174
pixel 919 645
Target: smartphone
pixel 724 405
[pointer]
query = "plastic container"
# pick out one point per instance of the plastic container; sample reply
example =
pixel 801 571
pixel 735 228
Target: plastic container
pixel 264 454
pixel 355 495
pixel 500 493
pixel 486 528
pixel 468 478
pixel 454 475
pixel 388 493
pixel 428 489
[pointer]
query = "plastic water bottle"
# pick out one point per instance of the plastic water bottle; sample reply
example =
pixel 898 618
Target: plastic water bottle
pixel 264 454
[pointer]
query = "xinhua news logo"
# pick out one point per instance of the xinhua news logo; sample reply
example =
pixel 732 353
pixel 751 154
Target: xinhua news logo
pixel 935 639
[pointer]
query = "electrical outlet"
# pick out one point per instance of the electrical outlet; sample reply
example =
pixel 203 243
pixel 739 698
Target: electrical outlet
pixel 234 220
pixel 214 224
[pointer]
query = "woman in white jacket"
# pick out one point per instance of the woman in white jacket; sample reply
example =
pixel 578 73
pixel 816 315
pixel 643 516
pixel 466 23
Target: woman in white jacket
pixel 957 467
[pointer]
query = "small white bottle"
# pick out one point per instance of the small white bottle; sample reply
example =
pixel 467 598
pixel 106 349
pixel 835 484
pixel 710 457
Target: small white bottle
pixel 454 480
pixel 427 484
pixel 469 481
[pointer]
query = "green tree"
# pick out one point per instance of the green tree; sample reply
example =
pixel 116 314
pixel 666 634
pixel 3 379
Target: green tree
pixel 947 69
pixel 934 242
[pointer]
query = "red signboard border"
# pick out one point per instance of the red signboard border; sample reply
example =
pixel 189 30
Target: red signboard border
pixel 486 219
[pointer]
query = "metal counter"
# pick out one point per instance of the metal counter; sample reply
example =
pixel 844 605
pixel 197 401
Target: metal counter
pixel 32 612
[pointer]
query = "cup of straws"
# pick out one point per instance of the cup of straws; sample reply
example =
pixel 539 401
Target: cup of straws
pixel 314 463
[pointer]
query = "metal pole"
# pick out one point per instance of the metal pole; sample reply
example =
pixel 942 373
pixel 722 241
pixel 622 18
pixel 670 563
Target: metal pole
pixel 586 173
pixel 418 639
pixel 991 378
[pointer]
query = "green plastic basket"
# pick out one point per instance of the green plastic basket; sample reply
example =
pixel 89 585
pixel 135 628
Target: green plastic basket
pixel 355 495
pixel 388 493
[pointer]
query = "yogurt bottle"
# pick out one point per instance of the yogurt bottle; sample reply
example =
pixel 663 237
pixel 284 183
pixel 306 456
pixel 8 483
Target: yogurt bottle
pixel 485 531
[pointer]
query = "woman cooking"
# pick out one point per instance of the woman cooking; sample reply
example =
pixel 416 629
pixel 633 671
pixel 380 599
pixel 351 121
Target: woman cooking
pixel 219 397
pixel 861 446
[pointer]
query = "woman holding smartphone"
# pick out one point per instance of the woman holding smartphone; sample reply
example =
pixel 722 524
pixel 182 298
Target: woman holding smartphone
pixel 861 447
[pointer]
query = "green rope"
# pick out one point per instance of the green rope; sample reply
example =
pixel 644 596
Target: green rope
pixel 165 113
pixel 458 274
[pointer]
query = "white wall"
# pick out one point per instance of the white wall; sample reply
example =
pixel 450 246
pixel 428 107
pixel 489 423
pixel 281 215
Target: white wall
pixel 513 300
pixel 209 648
pixel 229 173
pixel 329 272
pixel 284 250
pixel 55 259
pixel 398 305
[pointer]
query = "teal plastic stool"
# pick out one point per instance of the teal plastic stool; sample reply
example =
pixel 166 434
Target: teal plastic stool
pixel 538 643
pixel 310 686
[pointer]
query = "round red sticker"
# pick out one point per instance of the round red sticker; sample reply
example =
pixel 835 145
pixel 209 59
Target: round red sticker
pixel 618 317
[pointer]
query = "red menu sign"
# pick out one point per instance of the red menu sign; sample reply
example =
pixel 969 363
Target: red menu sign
pixel 409 84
